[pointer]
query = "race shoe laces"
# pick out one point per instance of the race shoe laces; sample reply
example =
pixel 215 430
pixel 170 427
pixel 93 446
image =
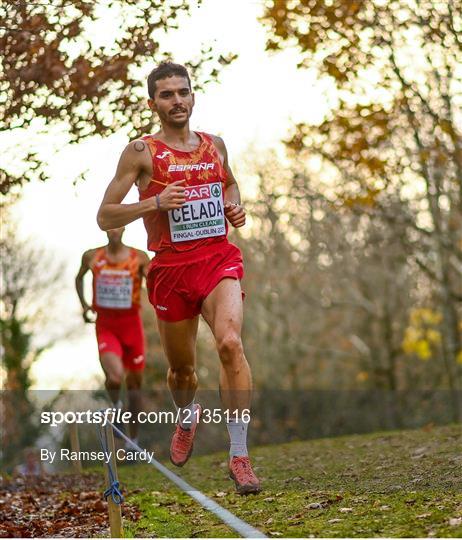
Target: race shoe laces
pixel 243 470
pixel 184 437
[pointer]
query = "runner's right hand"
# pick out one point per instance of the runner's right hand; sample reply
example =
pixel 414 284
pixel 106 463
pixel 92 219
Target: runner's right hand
pixel 173 196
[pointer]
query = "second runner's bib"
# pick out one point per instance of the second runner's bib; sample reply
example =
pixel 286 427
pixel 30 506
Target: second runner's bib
pixel 116 285
pixel 114 289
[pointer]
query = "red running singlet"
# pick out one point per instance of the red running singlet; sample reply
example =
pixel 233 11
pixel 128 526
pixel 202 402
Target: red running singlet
pixel 116 285
pixel 201 220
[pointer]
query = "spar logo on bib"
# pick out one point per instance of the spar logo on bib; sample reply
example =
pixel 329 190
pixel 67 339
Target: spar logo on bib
pixel 216 190
pixel 201 216
pixel 197 192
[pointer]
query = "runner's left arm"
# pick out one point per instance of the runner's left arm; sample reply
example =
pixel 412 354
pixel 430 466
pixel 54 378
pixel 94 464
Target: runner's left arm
pixel 234 212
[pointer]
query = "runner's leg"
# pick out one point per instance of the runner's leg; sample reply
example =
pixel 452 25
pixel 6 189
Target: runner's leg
pixel 179 343
pixel 132 339
pixel 114 370
pixel 133 381
pixel 222 309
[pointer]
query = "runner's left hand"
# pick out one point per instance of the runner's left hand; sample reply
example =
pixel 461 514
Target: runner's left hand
pixel 235 214
pixel 86 314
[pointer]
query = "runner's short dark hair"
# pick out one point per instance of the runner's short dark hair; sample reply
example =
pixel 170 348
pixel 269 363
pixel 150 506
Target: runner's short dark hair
pixel 164 70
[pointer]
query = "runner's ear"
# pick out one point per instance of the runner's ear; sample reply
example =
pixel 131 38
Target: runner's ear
pixel 152 105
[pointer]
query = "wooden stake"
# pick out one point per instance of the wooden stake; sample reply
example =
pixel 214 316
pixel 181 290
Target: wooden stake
pixel 75 447
pixel 115 510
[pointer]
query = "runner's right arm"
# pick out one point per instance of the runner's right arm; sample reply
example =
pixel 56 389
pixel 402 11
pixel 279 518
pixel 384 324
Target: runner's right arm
pixel 84 267
pixel 144 263
pixel 234 212
pixel 112 214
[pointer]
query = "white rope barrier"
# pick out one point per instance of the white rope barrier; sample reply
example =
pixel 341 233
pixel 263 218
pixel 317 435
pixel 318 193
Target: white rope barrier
pixel 238 525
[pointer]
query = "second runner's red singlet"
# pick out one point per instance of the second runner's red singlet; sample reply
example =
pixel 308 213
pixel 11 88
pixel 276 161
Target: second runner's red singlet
pixel 192 250
pixel 116 300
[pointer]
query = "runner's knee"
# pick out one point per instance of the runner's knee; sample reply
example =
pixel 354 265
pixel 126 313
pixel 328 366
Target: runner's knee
pixel 230 348
pixel 182 374
pixel 114 379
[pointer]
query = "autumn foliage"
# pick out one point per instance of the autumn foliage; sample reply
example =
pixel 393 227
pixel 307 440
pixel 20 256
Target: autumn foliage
pixel 54 69
pixel 56 506
pixel 391 138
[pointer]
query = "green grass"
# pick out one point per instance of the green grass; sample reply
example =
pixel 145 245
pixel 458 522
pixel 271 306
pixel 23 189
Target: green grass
pixel 394 484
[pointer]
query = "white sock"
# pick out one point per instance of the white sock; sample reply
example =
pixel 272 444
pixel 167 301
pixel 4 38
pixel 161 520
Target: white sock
pixel 118 405
pixel 186 416
pixel 238 437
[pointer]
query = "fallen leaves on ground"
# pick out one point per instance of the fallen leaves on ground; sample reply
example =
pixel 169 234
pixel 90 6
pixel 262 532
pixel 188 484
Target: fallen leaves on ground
pixel 56 506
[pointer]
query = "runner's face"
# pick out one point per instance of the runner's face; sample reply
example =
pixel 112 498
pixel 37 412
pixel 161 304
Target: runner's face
pixel 173 101
pixel 115 235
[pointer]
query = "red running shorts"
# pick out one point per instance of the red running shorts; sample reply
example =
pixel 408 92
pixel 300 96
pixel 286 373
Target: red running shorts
pixel 122 334
pixel 178 283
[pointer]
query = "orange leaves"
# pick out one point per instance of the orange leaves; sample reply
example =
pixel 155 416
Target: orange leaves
pixel 35 22
pixel 72 30
pixel 37 52
pixel 447 126
pixel 333 69
pixel 311 23
pixel 365 200
pixel 353 6
pixel 56 506
pixel 391 99
pixel 49 54
pixel 277 12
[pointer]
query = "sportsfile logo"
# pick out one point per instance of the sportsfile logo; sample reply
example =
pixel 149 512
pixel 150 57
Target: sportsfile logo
pixel 191 167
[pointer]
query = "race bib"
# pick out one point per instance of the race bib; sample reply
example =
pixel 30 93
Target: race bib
pixel 202 215
pixel 114 289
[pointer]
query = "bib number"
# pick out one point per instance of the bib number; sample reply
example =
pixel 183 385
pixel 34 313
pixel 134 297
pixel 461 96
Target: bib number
pixel 114 289
pixel 202 215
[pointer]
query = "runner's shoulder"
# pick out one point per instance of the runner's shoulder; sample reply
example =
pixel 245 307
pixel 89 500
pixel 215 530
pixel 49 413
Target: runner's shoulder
pixel 220 146
pixel 90 253
pixel 136 148
pixel 218 141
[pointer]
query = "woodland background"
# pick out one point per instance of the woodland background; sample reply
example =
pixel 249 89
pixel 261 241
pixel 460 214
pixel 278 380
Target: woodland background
pixel 353 250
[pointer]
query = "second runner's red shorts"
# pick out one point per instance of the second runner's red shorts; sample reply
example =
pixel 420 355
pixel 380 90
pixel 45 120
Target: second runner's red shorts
pixel 178 283
pixel 122 334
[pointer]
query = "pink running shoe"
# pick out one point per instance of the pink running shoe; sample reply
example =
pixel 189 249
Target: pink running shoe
pixel 241 472
pixel 183 441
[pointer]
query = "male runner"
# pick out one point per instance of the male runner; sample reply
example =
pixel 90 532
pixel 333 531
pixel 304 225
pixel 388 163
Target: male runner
pixel 187 190
pixel 117 274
